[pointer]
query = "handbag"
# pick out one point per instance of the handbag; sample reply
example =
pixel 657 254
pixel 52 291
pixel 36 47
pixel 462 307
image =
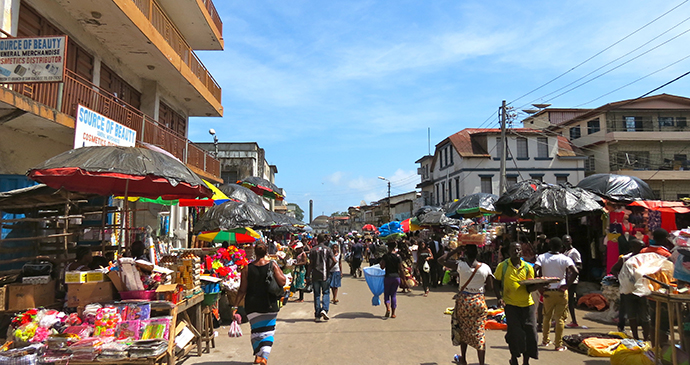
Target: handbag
pixel 273 286
pixel 468 281
pixel 426 267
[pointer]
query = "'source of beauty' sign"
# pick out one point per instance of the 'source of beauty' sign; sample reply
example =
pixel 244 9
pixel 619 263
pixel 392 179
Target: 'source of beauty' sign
pixel 93 129
pixel 39 59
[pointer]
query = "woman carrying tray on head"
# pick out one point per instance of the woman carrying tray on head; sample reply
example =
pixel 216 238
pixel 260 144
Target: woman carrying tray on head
pixel 469 316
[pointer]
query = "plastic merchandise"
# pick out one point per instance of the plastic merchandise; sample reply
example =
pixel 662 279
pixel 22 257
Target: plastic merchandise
pixel 601 347
pixel 147 348
pixel 90 311
pixel 156 328
pixel 61 341
pixel 83 331
pixel 129 329
pixel 235 330
pixel 631 352
pixel 107 321
pixel 374 278
pixel 114 351
pixel 21 356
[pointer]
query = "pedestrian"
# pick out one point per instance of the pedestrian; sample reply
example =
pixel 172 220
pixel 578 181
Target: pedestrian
pixel 299 274
pixel 556 265
pixel 424 258
pixel 261 306
pixel 468 321
pixel 636 307
pixel 515 298
pixel 336 273
pixel 635 246
pixel 437 272
pixel 357 256
pixel 321 261
pixel 574 255
pixel 392 263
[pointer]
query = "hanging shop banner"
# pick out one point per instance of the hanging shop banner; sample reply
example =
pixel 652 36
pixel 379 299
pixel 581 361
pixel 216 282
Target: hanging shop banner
pixel 39 59
pixel 93 129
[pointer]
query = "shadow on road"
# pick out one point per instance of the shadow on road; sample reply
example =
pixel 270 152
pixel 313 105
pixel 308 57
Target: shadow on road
pixel 294 320
pixel 597 362
pixel 355 315
pixel 222 363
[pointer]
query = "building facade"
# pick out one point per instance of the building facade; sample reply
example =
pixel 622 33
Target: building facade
pixel 132 61
pixel 468 162
pixel 646 137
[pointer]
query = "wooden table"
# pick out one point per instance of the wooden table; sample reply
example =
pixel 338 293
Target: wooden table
pixel 674 304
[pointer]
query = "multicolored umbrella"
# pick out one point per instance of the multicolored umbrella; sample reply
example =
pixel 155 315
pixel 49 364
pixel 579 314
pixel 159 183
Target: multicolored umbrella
pixel 234 236
pixel 217 199
pixel 262 187
pixel 409 226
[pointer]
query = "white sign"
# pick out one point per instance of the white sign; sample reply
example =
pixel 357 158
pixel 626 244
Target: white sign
pixel 93 129
pixel 40 59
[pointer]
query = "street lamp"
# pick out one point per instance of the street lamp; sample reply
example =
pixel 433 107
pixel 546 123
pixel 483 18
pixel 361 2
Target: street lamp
pixel 215 140
pixel 389 196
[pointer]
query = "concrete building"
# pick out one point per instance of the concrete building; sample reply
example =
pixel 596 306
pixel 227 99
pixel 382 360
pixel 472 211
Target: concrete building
pixel 646 137
pixel 239 160
pixel 131 61
pixel 468 162
pixel 377 213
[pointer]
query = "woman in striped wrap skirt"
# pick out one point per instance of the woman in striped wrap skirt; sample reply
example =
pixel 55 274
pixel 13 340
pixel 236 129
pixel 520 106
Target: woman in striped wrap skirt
pixel 261 306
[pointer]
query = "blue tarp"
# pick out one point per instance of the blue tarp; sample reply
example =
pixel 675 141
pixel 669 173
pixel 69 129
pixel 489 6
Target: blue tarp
pixel 374 277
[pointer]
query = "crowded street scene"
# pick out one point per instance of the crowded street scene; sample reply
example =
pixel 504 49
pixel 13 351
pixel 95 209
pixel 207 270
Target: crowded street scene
pixel 347 182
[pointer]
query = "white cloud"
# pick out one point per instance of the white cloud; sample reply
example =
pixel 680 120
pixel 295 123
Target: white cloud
pixel 335 177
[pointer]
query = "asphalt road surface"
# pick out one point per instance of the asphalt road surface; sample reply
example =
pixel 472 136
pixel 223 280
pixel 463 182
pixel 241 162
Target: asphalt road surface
pixel 358 333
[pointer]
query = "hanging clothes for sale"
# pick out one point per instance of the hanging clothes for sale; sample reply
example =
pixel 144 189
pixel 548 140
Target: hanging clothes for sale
pixel 668 221
pixel 653 220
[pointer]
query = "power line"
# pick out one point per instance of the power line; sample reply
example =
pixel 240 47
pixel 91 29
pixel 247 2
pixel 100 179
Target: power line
pixel 600 52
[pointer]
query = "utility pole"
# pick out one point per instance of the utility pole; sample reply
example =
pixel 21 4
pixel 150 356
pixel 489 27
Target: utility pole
pixel 502 174
pixel 389 202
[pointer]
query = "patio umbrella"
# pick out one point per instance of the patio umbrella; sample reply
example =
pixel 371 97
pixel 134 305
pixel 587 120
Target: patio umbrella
pixel 231 215
pixel 426 210
pixel 262 187
pixel 239 192
pixel 473 205
pixel 409 226
pixel 516 195
pixel 126 171
pixel 233 236
pixel 621 188
pixel 558 201
pixel 369 227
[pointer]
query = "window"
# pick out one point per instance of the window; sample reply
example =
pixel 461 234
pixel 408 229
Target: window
pixel 486 184
pixel 589 163
pixel 450 190
pixel 230 177
pixel 450 152
pixel 665 122
pixel 499 148
pixel 633 124
pixel 511 180
pixel 120 88
pixel 457 187
pixel 437 195
pixel 681 122
pixel 638 160
pixel 445 153
pixel 593 126
pixel 522 151
pixel 542 147
pixel 657 194
pixel 575 132
pixel 561 179
pixel 443 193
pixel 538 177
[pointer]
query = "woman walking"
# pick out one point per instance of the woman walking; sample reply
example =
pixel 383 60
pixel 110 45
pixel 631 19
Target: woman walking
pixel 336 273
pixel 299 274
pixel 392 263
pixel 469 316
pixel 423 259
pixel 261 306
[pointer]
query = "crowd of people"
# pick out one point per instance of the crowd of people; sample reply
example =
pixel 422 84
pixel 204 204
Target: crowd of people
pixel 529 305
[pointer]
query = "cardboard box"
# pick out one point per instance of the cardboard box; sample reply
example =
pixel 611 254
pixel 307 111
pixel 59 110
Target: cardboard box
pixel 25 296
pixel 75 277
pixel 79 295
pixel 3 298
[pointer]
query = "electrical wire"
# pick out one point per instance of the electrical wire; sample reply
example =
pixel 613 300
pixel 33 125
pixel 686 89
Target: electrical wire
pixel 599 53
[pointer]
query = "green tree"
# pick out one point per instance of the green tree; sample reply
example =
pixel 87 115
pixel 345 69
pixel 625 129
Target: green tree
pixel 299 213
pixel 339 214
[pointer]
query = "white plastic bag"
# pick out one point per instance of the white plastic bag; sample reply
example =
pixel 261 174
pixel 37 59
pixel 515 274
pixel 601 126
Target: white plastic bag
pixel 426 267
pixel 235 330
pixel 632 274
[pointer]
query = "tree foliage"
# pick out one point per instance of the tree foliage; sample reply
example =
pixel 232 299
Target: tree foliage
pixel 299 213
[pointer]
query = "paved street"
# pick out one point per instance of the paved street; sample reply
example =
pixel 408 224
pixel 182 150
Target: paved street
pixel 358 334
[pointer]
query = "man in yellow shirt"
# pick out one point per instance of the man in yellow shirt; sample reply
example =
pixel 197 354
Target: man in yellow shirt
pixel 519 306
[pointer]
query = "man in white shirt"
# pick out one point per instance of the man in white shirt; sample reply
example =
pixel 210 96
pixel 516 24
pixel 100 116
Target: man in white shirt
pixel 574 255
pixel 555 264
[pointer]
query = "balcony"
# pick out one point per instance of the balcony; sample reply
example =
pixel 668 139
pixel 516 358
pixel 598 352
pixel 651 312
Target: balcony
pixel 197 20
pixel 649 165
pixel 147 42
pixel 75 90
pixel 647 129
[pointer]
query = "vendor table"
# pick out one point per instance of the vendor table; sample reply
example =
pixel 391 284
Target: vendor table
pixel 674 302
pixel 177 311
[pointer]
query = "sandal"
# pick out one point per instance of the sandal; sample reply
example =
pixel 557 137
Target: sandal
pixel 388 313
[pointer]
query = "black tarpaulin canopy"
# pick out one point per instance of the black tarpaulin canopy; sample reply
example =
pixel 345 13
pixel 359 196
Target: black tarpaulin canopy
pixel 621 188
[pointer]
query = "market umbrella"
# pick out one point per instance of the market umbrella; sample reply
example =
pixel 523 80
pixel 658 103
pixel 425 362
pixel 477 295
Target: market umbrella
pixel 516 195
pixel 262 187
pixel 231 215
pixel 127 171
pixel 239 192
pixel 233 236
pixel 409 226
pixel 473 205
pixel 621 188
pixel 217 198
pixel 559 201
pixel 426 210
pixel 369 227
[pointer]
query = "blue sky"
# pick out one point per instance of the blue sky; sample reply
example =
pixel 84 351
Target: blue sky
pixel 340 92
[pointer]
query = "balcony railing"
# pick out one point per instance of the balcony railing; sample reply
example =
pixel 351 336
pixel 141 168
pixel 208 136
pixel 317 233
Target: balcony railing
pixel 214 14
pixel 167 29
pixel 678 124
pixel 77 90
pixel 646 160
